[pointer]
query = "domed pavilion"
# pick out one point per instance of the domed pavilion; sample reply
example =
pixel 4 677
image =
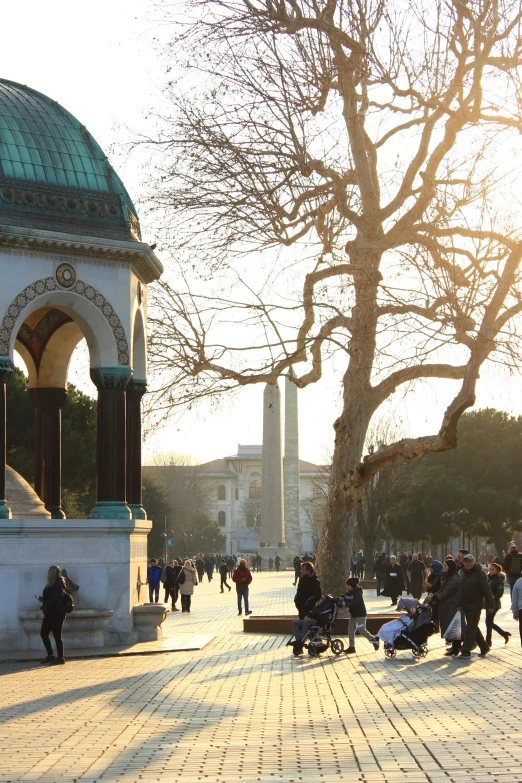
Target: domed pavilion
pixel 72 265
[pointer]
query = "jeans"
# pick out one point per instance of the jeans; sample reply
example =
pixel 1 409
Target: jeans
pixel 491 626
pixel 301 628
pixel 511 579
pixel 54 623
pixel 171 592
pixel 378 579
pixel 242 593
pixel 224 582
pixel 472 634
pixel 416 590
pixel 520 626
pixel 185 603
pixel 154 589
pixel 358 623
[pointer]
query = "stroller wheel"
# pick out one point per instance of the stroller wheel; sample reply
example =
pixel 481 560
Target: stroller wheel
pixel 416 653
pixel 423 651
pixel 337 646
pixel 312 650
pixel 391 653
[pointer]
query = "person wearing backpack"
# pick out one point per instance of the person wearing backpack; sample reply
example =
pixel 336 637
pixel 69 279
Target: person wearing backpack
pixel 513 566
pixel 56 602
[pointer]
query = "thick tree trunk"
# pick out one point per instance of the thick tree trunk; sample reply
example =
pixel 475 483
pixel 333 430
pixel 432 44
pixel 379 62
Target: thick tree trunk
pixel 351 428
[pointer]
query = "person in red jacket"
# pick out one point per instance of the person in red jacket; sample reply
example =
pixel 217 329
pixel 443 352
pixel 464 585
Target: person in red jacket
pixel 242 578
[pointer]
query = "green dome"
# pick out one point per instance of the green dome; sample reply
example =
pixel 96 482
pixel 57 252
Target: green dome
pixel 53 173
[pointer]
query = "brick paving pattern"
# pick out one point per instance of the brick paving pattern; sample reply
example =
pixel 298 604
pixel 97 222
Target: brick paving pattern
pixel 244 709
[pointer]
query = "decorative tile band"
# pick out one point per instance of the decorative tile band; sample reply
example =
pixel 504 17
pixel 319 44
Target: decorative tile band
pixel 49 284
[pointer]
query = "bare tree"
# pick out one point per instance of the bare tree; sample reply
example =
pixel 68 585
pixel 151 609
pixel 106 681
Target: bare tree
pixel 367 148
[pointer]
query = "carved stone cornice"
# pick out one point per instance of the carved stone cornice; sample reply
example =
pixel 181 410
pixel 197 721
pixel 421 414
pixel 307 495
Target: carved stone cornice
pixel 5 368
pixel 138 255
pixel 136 389
pixel 111 377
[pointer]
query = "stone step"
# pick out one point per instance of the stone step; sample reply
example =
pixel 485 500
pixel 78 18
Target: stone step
pixel 282 624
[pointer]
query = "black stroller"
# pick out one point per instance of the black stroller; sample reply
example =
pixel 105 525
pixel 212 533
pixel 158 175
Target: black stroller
pixel 319 637
pixel 417 627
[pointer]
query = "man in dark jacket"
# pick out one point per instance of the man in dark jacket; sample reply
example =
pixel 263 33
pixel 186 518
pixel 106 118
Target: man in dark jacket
pixel 172 571
pixel 153 580
pixel 513 566
pixel 474 593
pixel 223 573
pixel 378 565
pixel 308 590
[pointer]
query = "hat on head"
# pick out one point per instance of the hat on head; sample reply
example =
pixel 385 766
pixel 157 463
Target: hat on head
pixel 436 566
pixel 353 581
pixel 468 557
pixel 513 546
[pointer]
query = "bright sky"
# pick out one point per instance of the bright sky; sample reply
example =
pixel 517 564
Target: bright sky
pixel 99 62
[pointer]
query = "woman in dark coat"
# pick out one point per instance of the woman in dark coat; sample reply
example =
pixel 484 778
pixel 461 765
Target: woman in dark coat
pixel 432 585
pixel 496 577
pixel 447 601
pixel 393 580
pixel 53 611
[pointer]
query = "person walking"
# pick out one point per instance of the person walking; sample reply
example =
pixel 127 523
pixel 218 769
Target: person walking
pixel 200 567
pixel 308 590
pixel 209 568
pixel 153 580
pixel 513 566
pixel 270 563
pixel 187 581
pixel 53 612
pixel 172 572
pixel 496 578
pixel 353 563
pixel 393 580
pixel 223 573
pixel 297 568
pixel 474 594
pixel 403 563
pixel 516 604
pixel 378 565
pixel 354 600
pixel 361 565
pixel 445 602
pixel 277 562
pixel 242 579
pixel 417 574
pixel 231 564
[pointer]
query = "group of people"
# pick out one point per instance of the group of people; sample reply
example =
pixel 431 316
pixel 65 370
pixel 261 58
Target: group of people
pixel 357 564
pixel 180 580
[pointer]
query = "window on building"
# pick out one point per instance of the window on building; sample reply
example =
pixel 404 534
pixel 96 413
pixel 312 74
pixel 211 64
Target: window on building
pixel 250 519
pixel 222 519
pixel 237 493
pixel 222 492
pixel 254 489
pixel 318 491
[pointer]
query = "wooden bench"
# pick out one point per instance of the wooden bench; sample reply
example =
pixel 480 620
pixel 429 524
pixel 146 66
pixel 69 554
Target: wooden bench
pixel 282 624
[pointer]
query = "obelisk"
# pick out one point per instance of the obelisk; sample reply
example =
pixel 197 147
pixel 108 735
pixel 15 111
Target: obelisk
pixel 272 525
pixel 291 471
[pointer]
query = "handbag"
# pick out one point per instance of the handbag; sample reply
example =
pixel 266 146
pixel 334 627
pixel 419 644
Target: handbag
pixel 68 603
pixel 454 630
pixel 181 578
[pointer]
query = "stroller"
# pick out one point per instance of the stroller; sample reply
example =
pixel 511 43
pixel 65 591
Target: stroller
pixel 319 637
pixel 409 632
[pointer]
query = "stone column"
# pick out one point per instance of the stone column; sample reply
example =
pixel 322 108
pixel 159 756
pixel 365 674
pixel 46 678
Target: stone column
pixel 111 450
pixel 291 471
pixel 272 524
pixel 134 392
pixel 5 369
pixel 48 403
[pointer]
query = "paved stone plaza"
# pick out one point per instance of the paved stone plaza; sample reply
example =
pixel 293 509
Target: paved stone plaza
pixel 244 709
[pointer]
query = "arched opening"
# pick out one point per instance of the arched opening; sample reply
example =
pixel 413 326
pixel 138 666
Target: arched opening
pixel 222 492
pixel 45 327
pixel 222 519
